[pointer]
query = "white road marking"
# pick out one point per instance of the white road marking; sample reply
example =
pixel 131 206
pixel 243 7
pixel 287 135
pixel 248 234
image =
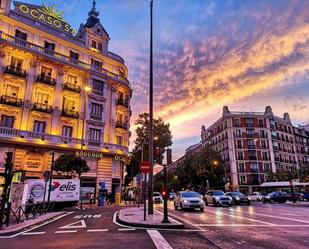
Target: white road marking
pixel 73 225
pixel 158 240
pixel 243 218
pixel 87 216
pixel 69 231
pixel 97 230
pixel 34 233
pixel 57 218
pixel 126 229
pixel 169 217
pixel 249 225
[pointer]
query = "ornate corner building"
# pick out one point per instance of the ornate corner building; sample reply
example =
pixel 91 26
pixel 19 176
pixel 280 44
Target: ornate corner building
pixel 252 144
pixel 61 92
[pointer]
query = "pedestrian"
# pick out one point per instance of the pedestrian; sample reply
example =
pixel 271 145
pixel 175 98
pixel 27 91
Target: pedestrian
pixel 91 198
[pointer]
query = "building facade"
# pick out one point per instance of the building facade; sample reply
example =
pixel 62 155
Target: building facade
pixel 252 144
pixel 62 92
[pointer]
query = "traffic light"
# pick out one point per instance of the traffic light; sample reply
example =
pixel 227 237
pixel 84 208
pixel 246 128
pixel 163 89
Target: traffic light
pixel 164 194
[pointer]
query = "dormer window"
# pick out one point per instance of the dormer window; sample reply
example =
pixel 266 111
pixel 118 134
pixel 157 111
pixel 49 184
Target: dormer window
pixel 100 47
pixel 94 44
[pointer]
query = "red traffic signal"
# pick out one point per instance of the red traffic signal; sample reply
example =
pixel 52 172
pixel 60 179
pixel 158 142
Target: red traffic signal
pixel 164 194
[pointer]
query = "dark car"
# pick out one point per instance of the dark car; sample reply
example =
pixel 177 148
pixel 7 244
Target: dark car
pixel 239 198
pixel 277 196
pixel 306 196
pixel 296 196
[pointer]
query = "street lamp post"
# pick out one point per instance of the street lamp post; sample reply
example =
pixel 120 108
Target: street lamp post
pixel 51 175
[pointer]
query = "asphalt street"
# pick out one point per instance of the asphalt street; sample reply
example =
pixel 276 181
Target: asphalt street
pixel 257 226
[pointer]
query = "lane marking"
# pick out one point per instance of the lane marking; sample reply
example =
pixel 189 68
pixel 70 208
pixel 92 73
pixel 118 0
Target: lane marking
pixel 244 218
pixel 69 231
pixel 158 240
pixel 126 229
pixel 249 225
pixel 73 225
pixel 34 233
pixel 97 230
pixel 169 217
pixel 43 224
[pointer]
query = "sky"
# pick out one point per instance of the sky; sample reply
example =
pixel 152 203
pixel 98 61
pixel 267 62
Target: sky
pixel 245 54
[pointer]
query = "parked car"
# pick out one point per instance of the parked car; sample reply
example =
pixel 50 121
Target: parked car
pixel 238 198
pixel 296 196
pixel 217 198
pixel 276 196
pixel 157 198
pixel 172 195
pixel 255 196
pixel 188 199
pixel 306 196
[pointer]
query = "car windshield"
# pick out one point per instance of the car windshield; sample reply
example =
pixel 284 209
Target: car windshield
pixel 218 193
pixel 156 194
pixel 237 194
pixel 190 194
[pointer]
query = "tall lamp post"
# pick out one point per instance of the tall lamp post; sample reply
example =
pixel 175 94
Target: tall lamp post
pixel 150 202
pixel 87 90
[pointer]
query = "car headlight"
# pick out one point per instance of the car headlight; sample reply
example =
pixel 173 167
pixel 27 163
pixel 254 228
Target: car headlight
pixel 267 197
pixel 185 201
pixel 237 198
pixel 249 198
pixel 202 202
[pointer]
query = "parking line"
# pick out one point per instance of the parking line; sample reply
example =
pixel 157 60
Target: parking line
pixel 97 230
pixel 158 240
pixel 34 233
pixel 126 229
pixel 69 231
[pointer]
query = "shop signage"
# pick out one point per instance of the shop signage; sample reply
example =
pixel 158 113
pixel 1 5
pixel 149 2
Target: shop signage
pixel 62 190
pixel 34 162
pixel 120 158
pixel 89 154
pixel 45 14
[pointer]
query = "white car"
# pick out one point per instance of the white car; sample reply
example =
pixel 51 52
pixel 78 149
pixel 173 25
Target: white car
pixel 255 196
pixel 188 199
pixel 217 198
pixel 157 198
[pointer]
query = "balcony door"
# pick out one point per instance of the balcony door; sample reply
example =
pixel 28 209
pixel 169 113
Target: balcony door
pixel 43 98
pixel 16 63
pixel 46 72
pixel 7 121
pixel 68 104
pixel 20 35
pixel 39 126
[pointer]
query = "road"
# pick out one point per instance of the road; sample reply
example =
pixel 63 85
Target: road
pixel 257 226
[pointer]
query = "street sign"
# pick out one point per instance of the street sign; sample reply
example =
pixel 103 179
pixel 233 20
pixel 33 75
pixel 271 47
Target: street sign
pixel 145 167
pixel 139 178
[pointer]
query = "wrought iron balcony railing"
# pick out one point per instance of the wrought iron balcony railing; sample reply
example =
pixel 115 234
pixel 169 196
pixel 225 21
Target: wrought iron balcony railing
pixel 42 107
pixel 46 80
pixel 71 87
pixel 17 71
pixel 122 125
pixel 70 113
pixel 12 101
pixel 123 102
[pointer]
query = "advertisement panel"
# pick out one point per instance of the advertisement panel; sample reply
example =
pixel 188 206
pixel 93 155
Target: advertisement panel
pixel 61 190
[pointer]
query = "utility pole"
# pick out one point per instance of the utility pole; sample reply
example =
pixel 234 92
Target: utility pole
pixel 150 202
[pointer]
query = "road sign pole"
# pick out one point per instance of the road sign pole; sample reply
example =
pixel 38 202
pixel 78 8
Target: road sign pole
pixel 145 196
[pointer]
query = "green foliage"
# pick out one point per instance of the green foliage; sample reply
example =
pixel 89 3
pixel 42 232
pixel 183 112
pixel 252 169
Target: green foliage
pixel 286 174
pixel 71 164
pixel 161 131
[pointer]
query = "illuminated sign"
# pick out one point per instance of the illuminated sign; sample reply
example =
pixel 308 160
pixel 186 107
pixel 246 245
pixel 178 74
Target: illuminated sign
pixel 89 154
pixel 34 162
pixel 46 14
pixel 120 158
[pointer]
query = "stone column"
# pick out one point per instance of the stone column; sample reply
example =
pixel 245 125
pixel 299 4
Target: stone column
pixel 58 98
pixel 2 65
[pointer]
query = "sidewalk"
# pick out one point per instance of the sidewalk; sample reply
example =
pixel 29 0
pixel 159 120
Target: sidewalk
pixel 135 217
pixel 28 223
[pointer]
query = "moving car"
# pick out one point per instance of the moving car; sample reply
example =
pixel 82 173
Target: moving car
pixel 296 196
pixel 172 195
pixel 276 196
pixel 238 198
pixel 157 198
pixel 217 198
pixel 306 196
pixel 255 196
pixel 188 199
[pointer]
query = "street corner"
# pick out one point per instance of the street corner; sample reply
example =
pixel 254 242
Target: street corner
pixel 134 217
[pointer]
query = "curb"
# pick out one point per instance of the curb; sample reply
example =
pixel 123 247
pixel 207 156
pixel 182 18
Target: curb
pixel 140 225
pixel 12 232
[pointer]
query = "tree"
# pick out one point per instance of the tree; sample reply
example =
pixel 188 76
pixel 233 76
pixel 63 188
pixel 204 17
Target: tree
pixel 163 135
pixel 71 164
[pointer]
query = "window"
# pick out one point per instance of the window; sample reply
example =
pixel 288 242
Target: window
pixel 12 91
pixel 17 63
pixel 46 72
pixel 20 35
pixel 96 64
pixel 242 179
pixel 267 167
pixel 42 98
pixel 39 127
pixel 238 133
pixel 67 131
pixel 72 79
pixel 94 44
pixel 237 123
pixel 98 85
pixel 254 167
pixel 96 109
pixel 95 135
pixel 240 155
pixel 7 121
pixel 262 134
pixel 263 144
pixel 74 56
pixel 249 122
pixel 120 95
pixel 49 46
pixel 68 104
pixel 119 140
pixel 261 123
pixel 241 167
pixel 100 46
pixel 250 132
pixel 239 145
pixel 265 155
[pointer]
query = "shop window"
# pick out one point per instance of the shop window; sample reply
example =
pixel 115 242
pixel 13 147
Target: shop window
pixel 67 131
pixel 94 135
pixel 7 121
pixel 39 126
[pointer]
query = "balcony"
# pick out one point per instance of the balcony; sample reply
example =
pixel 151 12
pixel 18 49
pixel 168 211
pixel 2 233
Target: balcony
pixel 70 113
pixel 46 80
pixel 42 108
pixel 122 125
pixel 123 102
pixel 96 117
pixel 71 87
pixel 16 71
pixel 12 101
pixel 94 143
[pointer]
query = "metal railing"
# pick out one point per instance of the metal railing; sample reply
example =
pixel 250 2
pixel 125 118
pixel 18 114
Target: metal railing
pixel 70 113
pixel 46 80
pixel 42 108
pixel 123 102
pixel 71 87
pixel 121 125
pixel 17 71
pixel 13 101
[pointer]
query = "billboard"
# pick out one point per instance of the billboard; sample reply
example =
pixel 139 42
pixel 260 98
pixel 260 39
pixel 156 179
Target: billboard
pixel 61 190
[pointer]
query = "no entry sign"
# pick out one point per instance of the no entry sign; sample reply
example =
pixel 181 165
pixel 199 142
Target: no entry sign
pixel 145 167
